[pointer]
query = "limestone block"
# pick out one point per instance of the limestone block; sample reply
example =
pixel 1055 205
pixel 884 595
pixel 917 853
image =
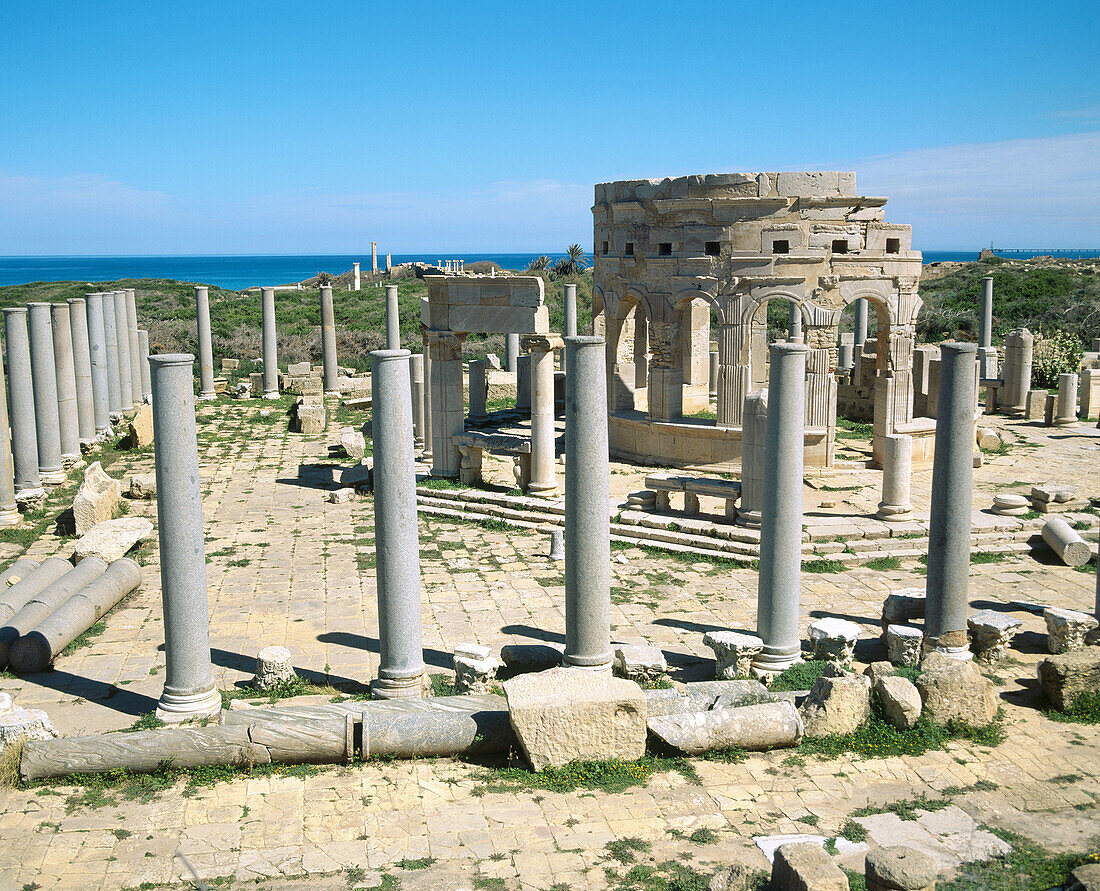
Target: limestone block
pixel 525 658
pixel 878 670
pixel 837 705
pixel 299 369
pixel 243 390
pixel 1010 505
pixel 143 486
pixel 903 644
pixel 1066 676
pixel 569 714
pixel 733 652
pixel 273 667
pixel 754 728
pixel 310 417
pixel 1052 492
pixel 834 640
pixel 639 662
pixel 902 606
pixel 141 427
pixel 1035 406
pixel 475 669
pixel 1067 629
pixel 353 442
pixel 953 690
pixel 339 496
pixel 990 634
pixel 21 724
pixel 229 365
pixel 899 868
pixel 899 700
pixel 112 539
pixel 96 500
pixel 805 866
pixel 5 703
pixel 1085 877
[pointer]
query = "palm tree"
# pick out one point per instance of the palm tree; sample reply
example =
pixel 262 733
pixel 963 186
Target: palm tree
pixel 539 263
pixel 573 263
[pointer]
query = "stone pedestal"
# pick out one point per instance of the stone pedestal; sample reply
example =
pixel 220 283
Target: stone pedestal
pixel 753 432
pixel 543 453
pixel 834 640
pixel 393 319
pixel 24 433
pixel 734 653
pixel 328 343
pixel 110 340
pixel 990 634
pixel 65 371
pixel 1065 406
pixel 44 376
pixel 206 355
pixel 779 591
pixel 397 541
pixel 97 349
pixel 270 352
pixel 904 644
pixel 135 348
pixel 82 372
pixel 897 466
pixel 189 690
pixel 587 484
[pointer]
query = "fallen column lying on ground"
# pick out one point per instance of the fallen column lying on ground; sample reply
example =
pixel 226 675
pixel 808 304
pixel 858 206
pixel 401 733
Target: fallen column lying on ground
pixel 16 573
pixel 36 580
pixel 754 728
pixel 1070 547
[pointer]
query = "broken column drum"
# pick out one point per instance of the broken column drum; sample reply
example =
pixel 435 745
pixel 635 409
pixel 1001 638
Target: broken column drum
pixel 82 371
pixel 541 349
pixel 44 377
pixel 135 346
pixel 206 354
pixel 125 372
pixel 781 512
pixel 9 508
pixel 393 319
pixel 1065 406
pixel 897 468
pixel 328 342
pixel 587 483
pixel 271 360
pixel 110 340
pixel 97 351
pixel 65 372
pixel 396 535
pixel 189 690
pixel 948 583
pixel 24 435
pixel 143 357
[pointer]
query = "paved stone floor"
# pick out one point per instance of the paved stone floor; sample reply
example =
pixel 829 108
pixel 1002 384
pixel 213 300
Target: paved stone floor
pixel 285 567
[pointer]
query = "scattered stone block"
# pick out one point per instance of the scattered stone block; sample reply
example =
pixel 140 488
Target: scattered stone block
pixel 96 500
pixel 836 705
pixel 299 369
pixel 834 640
pixel 735 877
pixel 1010 505
pixel 229 365
pixel 310 416
pixel 902 606
pixel 1049 497
pixel 339 496
pixel 1066 676
pixel 141 427
pixel 955 690
pixel 899 700
pixel 805 866
pixel 1063 539
pixel 112 539
pixel 475 669
pixel 243 390
pixel 640 663
pixel 273 667
pixel 569 714
pixel 990 634
pixel 526 658
pixel 1035 406
pixel 878 670
pixel 1085 877
pixel 143 486
pixel 353 443
pixel 903 644
pixel 1067 629
pixel 754 728
pixel 360 476
pixel 989 439
pixel 899 868
pixel 21 724
pixel 734 652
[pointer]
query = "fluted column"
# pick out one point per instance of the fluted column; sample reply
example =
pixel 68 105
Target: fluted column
pixel 754 421
pixel 44 375
pixel 271 357
pixel 65 372
pixel 82 371
pixel 206 351
pixel 543 454
pixel 24 430
pixel 97 350
pixel 125 375
pixel 734 378
pixel 328 343
pixel 135 347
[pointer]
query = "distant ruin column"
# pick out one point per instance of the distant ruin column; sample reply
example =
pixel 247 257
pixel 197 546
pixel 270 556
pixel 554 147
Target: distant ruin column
pixel 987 355
pixel 416 393
pixel 328 342
pixel 588 530
pixel 665 391
pixel 110 340
pixel 393 319
pixel 859 327
pixel 143 355
pixel 897 468
pixel 569 325
pixel 511 352
pixel 355 270
pixel 779 592
pixel 82 371
pixel 9 507
pixel 97 349
pixel 44 375
pixel 948 582
pixel 24 435
pixel 447 403
pixel 270 353
pixel 65 372
pixel 1019 348
pixel 477 383
pixel 189 690
pixel 845 358
pixel 1065 406
pixel 396 535
pixel 374 257
pixel 206 354
pixel 754 421
pixel 541 349
pixel 125 379
pixel 135 349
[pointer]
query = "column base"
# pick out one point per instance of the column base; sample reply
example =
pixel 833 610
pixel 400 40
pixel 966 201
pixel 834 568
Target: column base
pixel 541 490
pixel 1065 422
pixel 894 513
pixel 70 461
pixel 207 397
pixel 175 709
pixel 768 664
pixel 10 517
pixel 413 687
pixel 603 667
pixel 51 477
pixel 748 518
pixel 271 394
pixel 960 654
pixel 30 499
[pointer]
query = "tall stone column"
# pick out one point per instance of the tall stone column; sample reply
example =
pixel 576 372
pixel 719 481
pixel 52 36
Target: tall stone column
pixel 396 535
pixel 135 347
pixel 588 529
pixel 897 468
pixel 416 393
pixel 859 327
pixel 24 430
pixel 46 422
pixel 447 403
pixel 270 354
pixel 143 358
pixel 355 269
pixel 82 371
pixel 734 378
pixel 1065 406
pixel 478 383
pixel 65 372
pixel 393 319
pixel 779 591
pixel 189 690
pixel 9 507
pixel 206 354
pixel 543 456
pixel 426 455
pixel 511 352
pixel 97 349
pixel 754 422
pixel 1019 349
pixel 665 391
pixel 125 377
pixel 948 584
pixel 794 323
pixel 523 382
pixel 987 355
pixel 712 377
pixel 328 342
pixel 821 398
pixel 114 376
pixel 641 349
pixel 569 324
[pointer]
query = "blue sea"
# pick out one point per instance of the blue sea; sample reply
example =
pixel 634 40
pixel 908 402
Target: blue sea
pixel 237 272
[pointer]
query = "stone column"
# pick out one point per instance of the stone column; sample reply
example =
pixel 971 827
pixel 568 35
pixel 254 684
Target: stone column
pixel 396 535
pixel 1065 406
pixel 734 378
pixel 523 382
pixel 189 690
pixel 374 256
pixel 206 355
pixel 446 408
pixel 355 269
pixel 543 457
pixel 143 358
pixel 665 391
pixel 110 340
pixel 569 325
pixel 712 379
pixel 845 358
pixel 416 393
pixel 897 466
pixel 859 326
pixel 393 319
pixel 328 342
pixel 754 422
pixel 97 351
pixel 987 356
pixel 779 591
pixel 82 371
pixel 1019 347
pixel 794 323
pixel 135 348
pixel 125 378
pixel 46 421
pixel 270 354
pixel 641 349
pixel 587 484
pixel 65 373
pixel 24 432
pixel 511 352
pixel 478 390
pixel 427 453
pixel 948 582
pixel 9 508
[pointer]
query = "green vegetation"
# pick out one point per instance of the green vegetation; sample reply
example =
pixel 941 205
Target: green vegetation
pixel 613 775
pixel 846 429
pixel 880 563
pixel 877 739
pixel 1029 867
pixel 800 676
pixel 1085 709
pixel 822 564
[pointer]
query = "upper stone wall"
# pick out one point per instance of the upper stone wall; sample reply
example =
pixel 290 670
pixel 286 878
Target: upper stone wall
pixel 803 184
pixel 502 304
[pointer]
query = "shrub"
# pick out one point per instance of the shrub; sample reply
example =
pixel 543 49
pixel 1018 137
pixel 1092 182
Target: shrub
pixel 1058 354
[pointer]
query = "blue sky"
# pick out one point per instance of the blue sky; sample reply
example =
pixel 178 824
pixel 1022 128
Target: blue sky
pixel 289 127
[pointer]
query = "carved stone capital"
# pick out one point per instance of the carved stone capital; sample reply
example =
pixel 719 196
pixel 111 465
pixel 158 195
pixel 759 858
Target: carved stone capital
pixel 444 346
pixel 541 343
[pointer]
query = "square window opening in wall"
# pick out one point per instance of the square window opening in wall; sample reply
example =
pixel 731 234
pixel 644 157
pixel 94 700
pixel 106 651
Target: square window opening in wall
pixel 629 250
pixel 840 245
pixel 605 247
pixel 893 245
pixel 781 246
pixel 712 248
pixel 664 249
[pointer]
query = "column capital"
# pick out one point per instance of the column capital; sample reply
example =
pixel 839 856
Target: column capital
pixel 541 343
pixel 444 345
